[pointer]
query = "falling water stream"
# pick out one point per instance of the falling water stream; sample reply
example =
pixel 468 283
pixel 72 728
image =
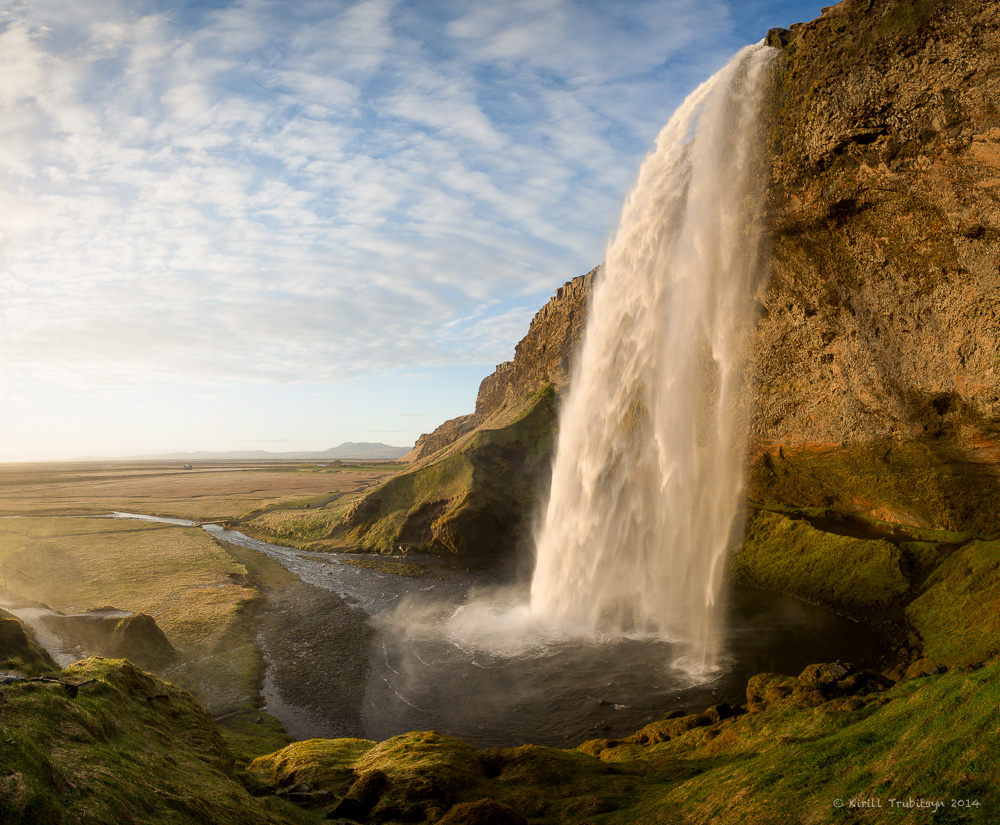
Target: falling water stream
pixel 646 489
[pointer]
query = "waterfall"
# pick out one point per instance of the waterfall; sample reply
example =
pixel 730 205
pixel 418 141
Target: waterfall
pixel 646 493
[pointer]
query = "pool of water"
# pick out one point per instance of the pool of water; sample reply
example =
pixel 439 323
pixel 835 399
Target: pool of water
pixel 456 650
pixel 504 689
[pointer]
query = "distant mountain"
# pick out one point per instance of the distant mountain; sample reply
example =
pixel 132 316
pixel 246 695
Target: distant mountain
pixel 347 450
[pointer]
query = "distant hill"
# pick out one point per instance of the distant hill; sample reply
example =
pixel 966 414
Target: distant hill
pixel 349 449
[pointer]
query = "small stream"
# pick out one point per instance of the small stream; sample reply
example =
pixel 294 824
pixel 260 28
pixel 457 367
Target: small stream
pixel 456 652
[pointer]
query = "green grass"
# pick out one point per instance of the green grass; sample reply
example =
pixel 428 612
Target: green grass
pixel 473 497
pixel 958 615
pixel 934 738
pixel 252 733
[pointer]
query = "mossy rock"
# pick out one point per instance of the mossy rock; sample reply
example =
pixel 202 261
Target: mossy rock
pixel 826 734
pixel 791 556
pixel 958 614
pixel 920 483
pixel 123 746
pixel 670 727
pixel 324 764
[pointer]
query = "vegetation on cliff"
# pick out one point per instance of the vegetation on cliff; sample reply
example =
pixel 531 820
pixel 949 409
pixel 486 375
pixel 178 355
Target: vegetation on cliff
pixel 108 743
pixel 18 651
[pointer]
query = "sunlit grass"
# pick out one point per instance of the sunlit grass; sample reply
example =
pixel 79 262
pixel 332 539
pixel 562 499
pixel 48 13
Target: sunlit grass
pixel 180 576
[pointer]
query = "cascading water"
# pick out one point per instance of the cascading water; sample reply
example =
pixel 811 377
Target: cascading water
pixel 647 484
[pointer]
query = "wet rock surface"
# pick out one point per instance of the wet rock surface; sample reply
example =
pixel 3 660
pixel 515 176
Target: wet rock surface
pixel 318 651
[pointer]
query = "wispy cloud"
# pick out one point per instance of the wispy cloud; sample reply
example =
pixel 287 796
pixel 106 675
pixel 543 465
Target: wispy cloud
pixel 267 192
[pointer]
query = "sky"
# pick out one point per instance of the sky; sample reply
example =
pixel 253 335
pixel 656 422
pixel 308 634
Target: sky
pixel 271 225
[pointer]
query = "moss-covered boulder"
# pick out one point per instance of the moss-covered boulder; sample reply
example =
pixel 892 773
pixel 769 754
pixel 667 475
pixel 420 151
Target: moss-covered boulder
pixel 120 747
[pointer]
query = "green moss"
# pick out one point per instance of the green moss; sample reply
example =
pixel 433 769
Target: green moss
pixel 252 733
pixel 927 739
pixel 325 764
pixel 922 483
pixel 958 615
pixel 126 748
pixel 791 556
pixel 907 17
pixel 425 771
pixel 934 738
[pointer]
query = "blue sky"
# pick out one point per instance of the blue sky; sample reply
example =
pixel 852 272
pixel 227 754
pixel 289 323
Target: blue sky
pixel 274 225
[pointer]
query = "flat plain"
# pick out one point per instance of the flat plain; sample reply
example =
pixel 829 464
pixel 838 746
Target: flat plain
pixel 208 491
pixel 208 597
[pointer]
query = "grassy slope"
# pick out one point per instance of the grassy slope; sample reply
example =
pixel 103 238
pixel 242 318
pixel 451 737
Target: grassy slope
pixel 472 497
pixel 128 748
pixel 196 592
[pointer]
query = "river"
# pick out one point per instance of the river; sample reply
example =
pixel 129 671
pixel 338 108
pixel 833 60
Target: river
pixel 453 650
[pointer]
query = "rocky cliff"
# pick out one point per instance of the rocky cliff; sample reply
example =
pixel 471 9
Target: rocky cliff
pixel 543 357
pixel 877 395
pixel 877 350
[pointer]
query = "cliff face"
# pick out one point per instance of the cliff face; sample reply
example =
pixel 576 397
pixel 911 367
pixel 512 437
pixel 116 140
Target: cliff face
pixel 886 217
pixel 545 354
pixel 880 337
pixel 877 353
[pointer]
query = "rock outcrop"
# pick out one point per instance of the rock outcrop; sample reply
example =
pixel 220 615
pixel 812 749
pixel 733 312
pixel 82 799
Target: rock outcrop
pixel 116 634
pixel 543 357
pixel 18 651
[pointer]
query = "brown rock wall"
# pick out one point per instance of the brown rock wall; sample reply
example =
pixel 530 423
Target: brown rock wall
pixel 882 319
pixel 545 354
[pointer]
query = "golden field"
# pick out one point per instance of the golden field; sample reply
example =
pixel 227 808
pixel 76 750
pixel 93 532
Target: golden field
pixel 203 594
pixel 209 491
